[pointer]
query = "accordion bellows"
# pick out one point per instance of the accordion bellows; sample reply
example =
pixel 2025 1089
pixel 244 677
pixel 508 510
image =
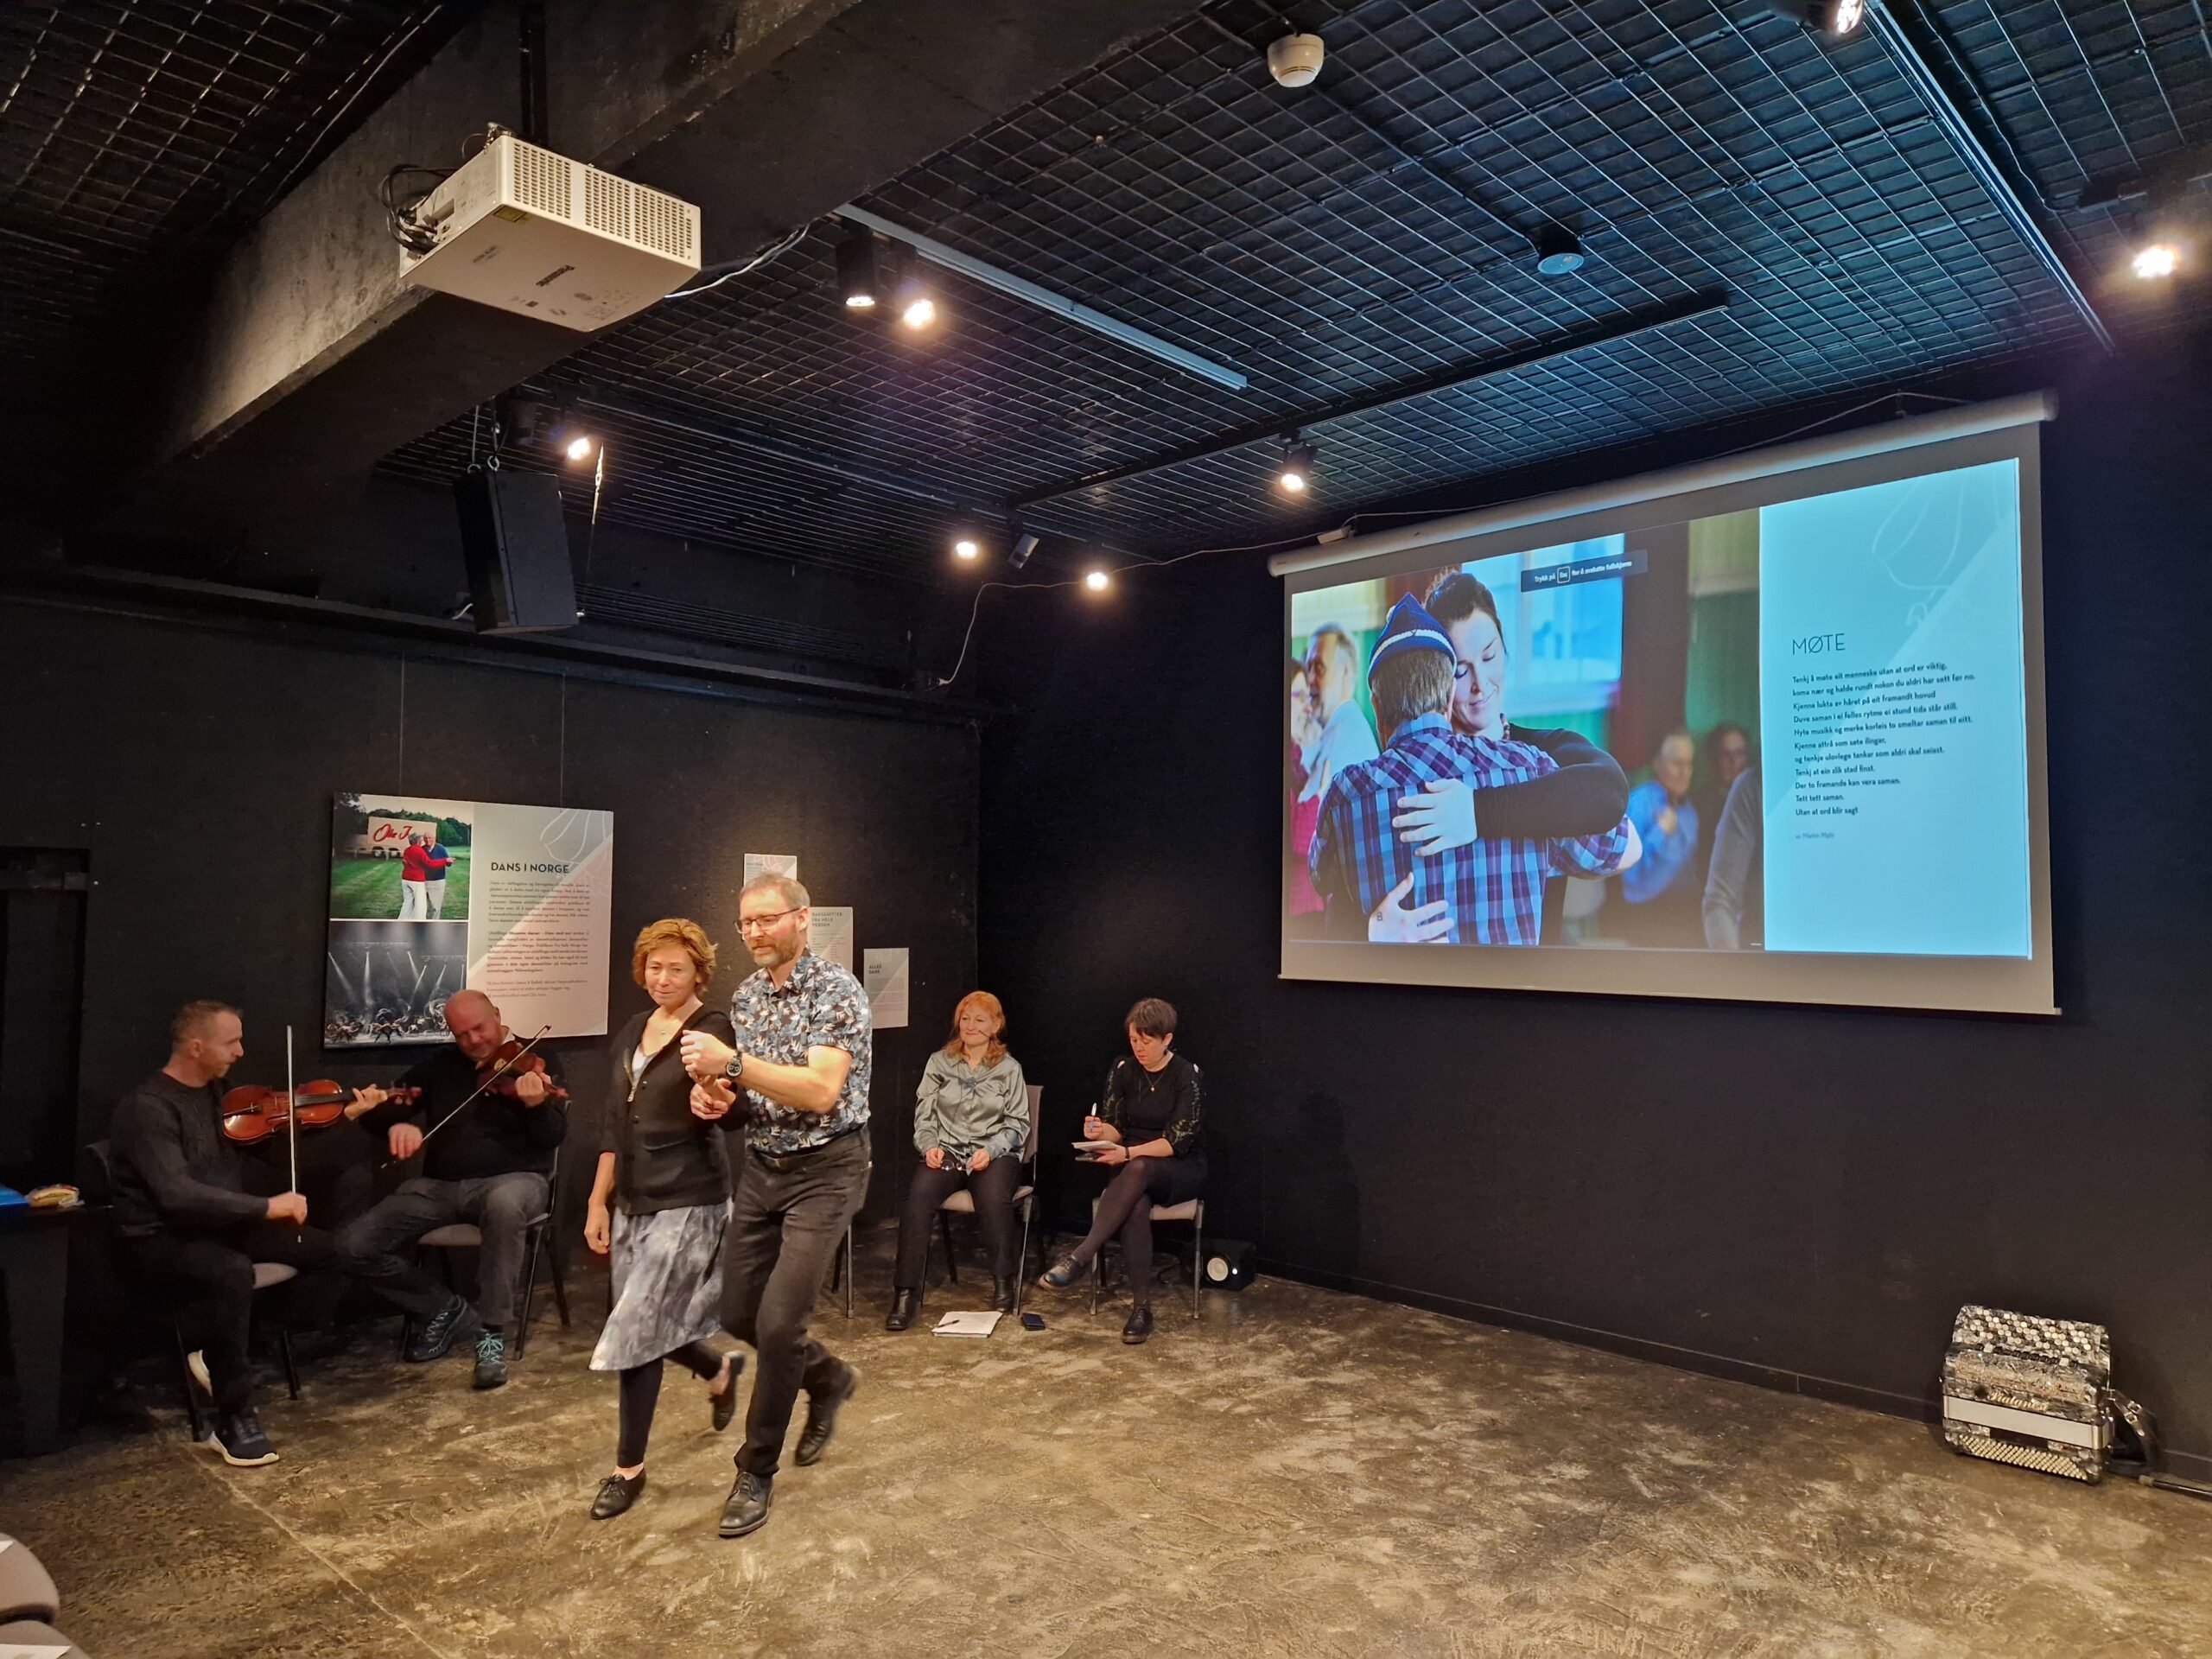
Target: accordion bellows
pixel 2021 1389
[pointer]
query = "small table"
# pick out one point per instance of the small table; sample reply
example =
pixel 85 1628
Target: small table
pixel 35 1258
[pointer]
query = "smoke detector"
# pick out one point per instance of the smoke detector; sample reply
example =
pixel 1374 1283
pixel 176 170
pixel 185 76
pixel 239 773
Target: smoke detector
pixel 1294 59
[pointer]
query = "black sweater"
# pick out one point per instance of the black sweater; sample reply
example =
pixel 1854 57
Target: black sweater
pixel 497 1134
pixel 666 1156
pixel 1586 797
pixel 1147 1105
pixel 174 1172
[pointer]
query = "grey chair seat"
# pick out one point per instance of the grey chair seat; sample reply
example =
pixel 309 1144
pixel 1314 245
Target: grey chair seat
pixel 267 1275
pixel 466 1235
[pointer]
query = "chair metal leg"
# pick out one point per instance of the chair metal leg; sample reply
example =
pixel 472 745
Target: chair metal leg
pixel 951 1265
pixel 528 1286
pixel 1198 1257
pixel 291 1371
pixel 849 1269
pixel 1021 1261
pixel 553 1254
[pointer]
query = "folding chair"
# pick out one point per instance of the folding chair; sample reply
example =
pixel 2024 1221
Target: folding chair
pixel 466 1235
pixel 1192 1210
pixel 961 1202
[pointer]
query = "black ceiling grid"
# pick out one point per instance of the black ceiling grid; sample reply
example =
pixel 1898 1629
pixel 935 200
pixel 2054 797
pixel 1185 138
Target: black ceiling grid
pixel 129 128
pixel 1332 242
pixel 2083 91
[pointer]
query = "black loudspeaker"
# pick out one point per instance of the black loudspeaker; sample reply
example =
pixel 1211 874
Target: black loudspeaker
pixel 516 544
pixel 1227 1266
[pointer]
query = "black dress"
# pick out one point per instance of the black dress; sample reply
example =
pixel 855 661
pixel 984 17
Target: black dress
pixel 1164 1104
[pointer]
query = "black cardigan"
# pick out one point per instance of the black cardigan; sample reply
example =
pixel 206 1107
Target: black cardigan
pixel 666 1157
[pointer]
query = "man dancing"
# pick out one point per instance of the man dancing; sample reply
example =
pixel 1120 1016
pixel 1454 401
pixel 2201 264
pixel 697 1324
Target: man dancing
pixel 803 1058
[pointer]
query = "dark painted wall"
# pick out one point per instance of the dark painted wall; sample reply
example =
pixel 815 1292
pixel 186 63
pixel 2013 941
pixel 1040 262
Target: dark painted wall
pixel 197 763
pixel 1804 1196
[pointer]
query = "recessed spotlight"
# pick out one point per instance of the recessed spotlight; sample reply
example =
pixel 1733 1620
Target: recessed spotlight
pixel 579 447
pixel 967 548
pixel 856 279
pixel 1837 19
pixel 1559 252
pixel 1296 473
pixel 2155 260
pixel 916 308
pixel 1096 581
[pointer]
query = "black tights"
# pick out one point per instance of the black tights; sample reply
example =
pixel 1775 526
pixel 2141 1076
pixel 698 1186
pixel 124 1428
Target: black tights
pixel 641 1393
pixel 1126 1207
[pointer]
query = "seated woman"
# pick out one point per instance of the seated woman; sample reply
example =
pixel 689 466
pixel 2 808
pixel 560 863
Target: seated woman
pixel 971 1120
pixel 1148 1121
pixel 664 1167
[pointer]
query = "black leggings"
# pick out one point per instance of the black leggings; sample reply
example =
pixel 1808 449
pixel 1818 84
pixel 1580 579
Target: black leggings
pixel 641 1393
pixel 1126 1207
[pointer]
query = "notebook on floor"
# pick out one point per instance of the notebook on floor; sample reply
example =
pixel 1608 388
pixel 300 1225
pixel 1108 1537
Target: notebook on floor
pixel 967 1324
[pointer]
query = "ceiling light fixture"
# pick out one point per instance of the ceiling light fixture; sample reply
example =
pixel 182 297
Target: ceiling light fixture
pixel 1839 19
pixel 857 277
pixel 1296 473
pixel 1096 581
pixel 1559 252
pixel 2154 260
pixel 967 548
pixel 579 447
pixel 912 300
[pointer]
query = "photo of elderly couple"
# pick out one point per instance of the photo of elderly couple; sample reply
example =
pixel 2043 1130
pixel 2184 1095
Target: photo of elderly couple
pixel 1557 746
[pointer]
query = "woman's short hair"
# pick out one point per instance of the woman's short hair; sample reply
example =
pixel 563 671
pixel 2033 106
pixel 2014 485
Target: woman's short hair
pixel 994 1050
pixel 1152 1017
pixel 678 931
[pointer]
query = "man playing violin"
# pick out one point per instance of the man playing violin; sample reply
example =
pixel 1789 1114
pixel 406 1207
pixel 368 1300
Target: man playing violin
pixel 487 1126
pixel 189 1220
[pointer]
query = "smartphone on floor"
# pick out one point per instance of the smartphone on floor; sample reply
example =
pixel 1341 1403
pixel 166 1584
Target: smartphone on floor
pixel 1032 1321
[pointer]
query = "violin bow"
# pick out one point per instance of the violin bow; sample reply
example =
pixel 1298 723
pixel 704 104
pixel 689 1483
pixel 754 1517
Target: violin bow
pixel 505 1067
pixel 291 1114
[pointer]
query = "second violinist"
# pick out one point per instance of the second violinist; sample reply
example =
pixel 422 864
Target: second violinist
pixel 489 1161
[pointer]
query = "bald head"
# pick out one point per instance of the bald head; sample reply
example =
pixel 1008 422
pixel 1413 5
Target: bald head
pixel 474 1022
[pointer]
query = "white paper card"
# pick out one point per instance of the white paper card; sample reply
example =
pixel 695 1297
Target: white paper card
pixel 831 933
pixel 760 864
pixel 883 975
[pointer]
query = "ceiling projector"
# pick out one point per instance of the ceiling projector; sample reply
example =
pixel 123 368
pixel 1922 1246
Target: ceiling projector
pixel 529 231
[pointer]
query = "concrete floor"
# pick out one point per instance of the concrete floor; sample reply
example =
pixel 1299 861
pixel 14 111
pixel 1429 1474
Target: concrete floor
pixel 1300 1473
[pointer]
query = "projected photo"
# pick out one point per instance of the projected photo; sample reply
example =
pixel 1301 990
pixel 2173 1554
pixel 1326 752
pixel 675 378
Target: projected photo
pixel 1733 732
pixel 388 982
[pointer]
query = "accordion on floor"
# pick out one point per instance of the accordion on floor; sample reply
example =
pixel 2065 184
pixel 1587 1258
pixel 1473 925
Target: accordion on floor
pixel 2037 1392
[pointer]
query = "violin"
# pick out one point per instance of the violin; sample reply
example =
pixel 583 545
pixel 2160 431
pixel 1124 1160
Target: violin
pixel 496 1073
pixel 253 1112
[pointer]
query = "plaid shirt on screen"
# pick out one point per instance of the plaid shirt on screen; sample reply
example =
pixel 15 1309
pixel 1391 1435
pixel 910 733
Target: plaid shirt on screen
pixel 1495 888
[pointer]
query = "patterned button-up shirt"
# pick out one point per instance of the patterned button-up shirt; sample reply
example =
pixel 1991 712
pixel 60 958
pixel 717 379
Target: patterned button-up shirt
pixel 1495 887
pixel 820 1006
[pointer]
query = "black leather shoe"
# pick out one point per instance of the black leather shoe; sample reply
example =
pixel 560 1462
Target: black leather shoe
pixel 747 1509
pixel 1140 1325
pixel 440 1331
pixel 1065 1271
pixel 821 1419
pixel 1003 1293
pixel 724 1404
pixel 616 1494
pixel 905 1304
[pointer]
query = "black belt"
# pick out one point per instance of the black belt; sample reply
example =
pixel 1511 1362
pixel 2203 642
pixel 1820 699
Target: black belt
pixel 782 1163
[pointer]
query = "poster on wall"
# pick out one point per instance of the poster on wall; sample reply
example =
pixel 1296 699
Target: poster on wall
pixel 430 896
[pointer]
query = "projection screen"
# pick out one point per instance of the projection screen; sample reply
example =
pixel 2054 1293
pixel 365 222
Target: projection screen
pixel 1768 728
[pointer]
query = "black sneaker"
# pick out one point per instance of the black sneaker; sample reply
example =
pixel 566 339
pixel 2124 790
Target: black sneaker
pixel 240 1439
pixel 491 1360
pixel 746 1508
pixel 440 1331
pixel 821 1418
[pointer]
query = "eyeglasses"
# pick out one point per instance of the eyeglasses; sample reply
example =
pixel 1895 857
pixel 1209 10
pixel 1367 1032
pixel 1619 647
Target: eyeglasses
pixel 762 924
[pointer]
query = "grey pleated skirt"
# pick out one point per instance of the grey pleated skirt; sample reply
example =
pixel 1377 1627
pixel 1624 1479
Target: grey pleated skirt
pixel 667 1269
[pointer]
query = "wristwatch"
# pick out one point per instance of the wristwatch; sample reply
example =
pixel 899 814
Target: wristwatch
pixel 736 1069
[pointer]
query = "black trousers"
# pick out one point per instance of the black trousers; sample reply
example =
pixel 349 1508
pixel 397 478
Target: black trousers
pixel 994 1193
pixel 211 1277
pixel 640 1393
pixel 784 1231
